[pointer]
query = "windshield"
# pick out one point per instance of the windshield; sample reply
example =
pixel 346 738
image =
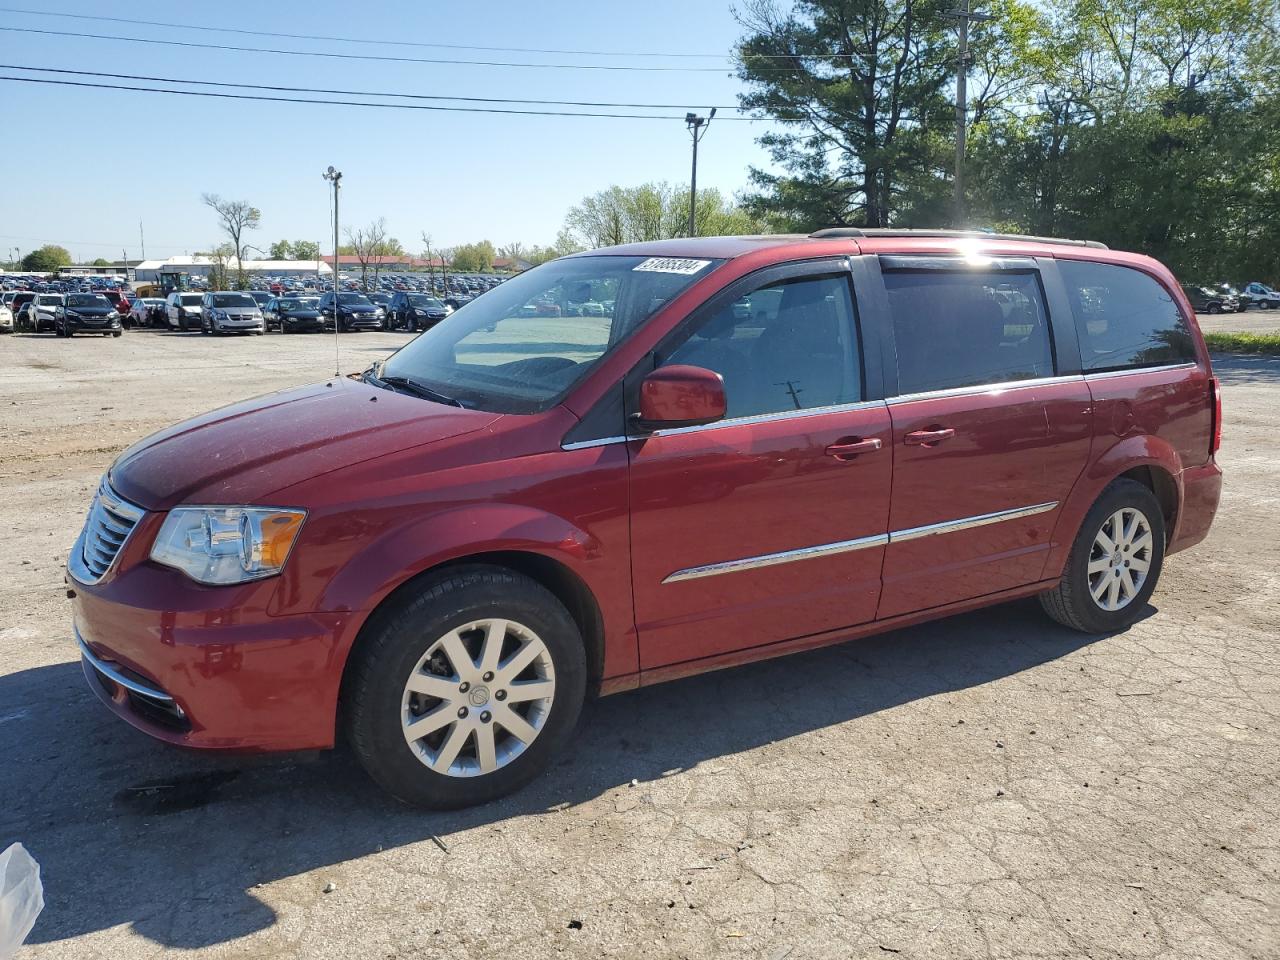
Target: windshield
pixel 289 306
pixel 520 347
pixel 49 299
pixel 420 300
pixel 87 300
pixel 190 299
pixel 233 300
pixel 354 298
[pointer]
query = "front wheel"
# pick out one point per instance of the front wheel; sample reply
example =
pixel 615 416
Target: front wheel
pixel 463 691
pixel 1114 563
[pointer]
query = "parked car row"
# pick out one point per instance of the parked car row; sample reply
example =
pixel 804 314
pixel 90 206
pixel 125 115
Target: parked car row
pixel 1225 298
pixel 65 315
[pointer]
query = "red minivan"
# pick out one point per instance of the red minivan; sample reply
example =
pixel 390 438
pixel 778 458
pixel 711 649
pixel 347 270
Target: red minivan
pixel 755 445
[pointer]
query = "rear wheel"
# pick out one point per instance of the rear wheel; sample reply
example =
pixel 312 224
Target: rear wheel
pixel 1114 564
pixel 1214 308
pixel 462 692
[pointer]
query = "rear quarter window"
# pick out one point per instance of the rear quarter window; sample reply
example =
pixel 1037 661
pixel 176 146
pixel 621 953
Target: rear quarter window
pixel 1125 318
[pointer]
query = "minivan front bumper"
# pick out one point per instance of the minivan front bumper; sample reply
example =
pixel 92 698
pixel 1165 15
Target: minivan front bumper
pixel 233 678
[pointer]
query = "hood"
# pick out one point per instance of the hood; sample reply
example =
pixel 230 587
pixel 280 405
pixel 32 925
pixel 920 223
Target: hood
pixel 357 308
pixel 94 311
pixel 245 452
pixel 309 314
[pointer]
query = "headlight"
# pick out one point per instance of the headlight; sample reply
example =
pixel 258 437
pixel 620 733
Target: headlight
pixel 379 313
pixel 70 313
pixel 225 545
pixel 421 313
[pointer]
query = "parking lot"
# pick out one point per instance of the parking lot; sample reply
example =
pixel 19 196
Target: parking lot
pixel 992 785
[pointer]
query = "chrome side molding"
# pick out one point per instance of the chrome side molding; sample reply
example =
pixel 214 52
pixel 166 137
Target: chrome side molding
pixel 862 543
pixel 968 523
pixel 772 559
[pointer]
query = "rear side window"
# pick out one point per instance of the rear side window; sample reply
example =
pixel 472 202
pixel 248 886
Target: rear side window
pixel 956 329
pixel 786 346
pixel 1125 318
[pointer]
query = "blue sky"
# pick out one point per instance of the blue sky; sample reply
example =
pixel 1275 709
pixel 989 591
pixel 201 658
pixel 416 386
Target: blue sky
pixel 82 167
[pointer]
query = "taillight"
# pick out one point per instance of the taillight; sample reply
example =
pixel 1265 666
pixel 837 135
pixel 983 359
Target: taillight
pixel 1215 388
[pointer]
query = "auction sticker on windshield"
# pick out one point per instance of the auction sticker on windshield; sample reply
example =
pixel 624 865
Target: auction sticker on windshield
pixel 671 265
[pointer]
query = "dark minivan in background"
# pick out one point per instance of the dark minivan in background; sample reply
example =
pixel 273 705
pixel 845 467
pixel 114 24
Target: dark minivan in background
pixel 763 445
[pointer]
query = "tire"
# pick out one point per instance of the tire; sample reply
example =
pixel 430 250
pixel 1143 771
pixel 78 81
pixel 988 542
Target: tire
pixel 1072 602
pixel 1214 309
pixel 393 648
pixel 117 333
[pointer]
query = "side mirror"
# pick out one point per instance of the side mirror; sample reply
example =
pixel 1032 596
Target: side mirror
pixel 681 396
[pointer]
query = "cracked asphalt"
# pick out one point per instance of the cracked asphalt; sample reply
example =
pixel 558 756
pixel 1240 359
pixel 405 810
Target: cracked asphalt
pixel 987 786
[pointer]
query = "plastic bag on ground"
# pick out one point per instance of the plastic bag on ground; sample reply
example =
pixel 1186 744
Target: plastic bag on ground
pixel 21 898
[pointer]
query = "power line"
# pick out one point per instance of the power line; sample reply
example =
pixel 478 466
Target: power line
pixel 348 103
pixel 351 93
pixel 365 56
pixel 333 39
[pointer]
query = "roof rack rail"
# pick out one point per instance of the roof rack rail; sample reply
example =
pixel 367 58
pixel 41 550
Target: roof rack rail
pixel 854 232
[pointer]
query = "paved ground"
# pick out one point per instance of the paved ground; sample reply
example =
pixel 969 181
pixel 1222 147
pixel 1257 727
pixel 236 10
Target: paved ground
pixel 1251 321
pixel 989 786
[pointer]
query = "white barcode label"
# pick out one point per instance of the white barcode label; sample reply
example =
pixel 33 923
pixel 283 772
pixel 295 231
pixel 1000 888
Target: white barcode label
pixel 672 265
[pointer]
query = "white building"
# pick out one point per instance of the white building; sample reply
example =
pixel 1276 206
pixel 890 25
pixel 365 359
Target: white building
pixel 148 271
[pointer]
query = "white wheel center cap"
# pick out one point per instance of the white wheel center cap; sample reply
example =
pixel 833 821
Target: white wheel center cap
pixel 478 695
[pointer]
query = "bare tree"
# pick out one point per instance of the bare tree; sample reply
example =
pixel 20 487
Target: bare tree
pixel 235 217
pixel 431 267
pixel 360 246
pixel 376 236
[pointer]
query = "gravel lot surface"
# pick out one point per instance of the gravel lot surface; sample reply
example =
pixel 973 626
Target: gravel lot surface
pixel 988 786
pixel 1251 321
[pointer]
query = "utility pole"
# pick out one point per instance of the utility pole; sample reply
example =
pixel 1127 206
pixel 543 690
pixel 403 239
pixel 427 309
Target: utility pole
pixel 142 240
pixel 335 177
pixel 697 127
pixel 963 16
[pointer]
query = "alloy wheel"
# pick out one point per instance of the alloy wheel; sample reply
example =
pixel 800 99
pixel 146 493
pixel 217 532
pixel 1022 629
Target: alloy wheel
pixel 1120 559
pixel 478 697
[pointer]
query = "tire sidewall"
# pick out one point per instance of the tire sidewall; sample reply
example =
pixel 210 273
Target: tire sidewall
pixel 404 635
pixel 1122 494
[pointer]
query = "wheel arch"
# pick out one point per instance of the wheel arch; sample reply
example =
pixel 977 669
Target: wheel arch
pixel 552 574
pixel 1146 459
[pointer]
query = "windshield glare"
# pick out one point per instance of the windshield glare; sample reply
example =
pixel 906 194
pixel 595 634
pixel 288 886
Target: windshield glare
pixel 521 346
pixel 87 300
pixel 190 299
pixel 356 298
pixel 234 300
pixel 424 301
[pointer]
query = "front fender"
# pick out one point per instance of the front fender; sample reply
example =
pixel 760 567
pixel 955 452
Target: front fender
pixel 1122 455
pixel 403 552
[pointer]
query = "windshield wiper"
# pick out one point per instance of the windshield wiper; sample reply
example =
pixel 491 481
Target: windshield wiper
pixel 417 388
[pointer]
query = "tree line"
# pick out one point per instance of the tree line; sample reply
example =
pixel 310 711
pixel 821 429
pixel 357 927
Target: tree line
pixel 1151 125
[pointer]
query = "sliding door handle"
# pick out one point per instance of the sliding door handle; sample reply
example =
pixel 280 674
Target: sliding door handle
pixel 928 438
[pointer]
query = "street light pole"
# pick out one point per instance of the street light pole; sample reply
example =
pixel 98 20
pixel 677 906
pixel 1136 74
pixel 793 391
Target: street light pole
pixel 335 176
pixel 697 127
pixel 962 16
